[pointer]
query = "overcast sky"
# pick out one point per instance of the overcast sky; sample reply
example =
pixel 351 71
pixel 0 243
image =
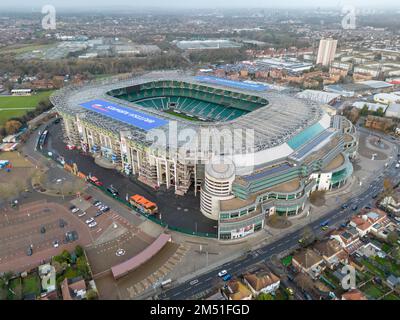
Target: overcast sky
pixel 76 4
pixel 196 3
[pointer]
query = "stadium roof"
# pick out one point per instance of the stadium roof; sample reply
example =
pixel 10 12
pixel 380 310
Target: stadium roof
pixel 274 124
pixel 318 96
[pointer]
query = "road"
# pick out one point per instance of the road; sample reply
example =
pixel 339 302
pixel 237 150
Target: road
pixel 239 266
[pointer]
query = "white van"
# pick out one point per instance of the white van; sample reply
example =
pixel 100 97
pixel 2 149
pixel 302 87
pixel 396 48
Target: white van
pixel 166 283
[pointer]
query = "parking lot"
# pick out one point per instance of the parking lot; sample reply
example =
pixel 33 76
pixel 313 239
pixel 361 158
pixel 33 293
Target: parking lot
pixel 28 234
pixel 177 211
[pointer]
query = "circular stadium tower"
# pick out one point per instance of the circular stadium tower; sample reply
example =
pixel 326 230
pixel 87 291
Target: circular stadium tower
pixel 217 186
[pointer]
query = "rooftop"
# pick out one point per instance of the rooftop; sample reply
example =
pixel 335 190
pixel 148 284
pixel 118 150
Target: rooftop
pixel 307 258
pixel 335 163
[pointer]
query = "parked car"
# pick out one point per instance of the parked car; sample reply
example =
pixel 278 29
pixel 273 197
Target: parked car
pixel 345 206
pixel 106 209
pixel 71 236
pixel 42 229
pixel 95 202
pixel 29 252
pixel 92 225
pixel 62 223
pixel 72 208
pixel 354 207
pixel 81 214
pixel 90 220
pixel 113 191
pixel 98 213
pixel 55 244
pixel 70 147
pixel 75 210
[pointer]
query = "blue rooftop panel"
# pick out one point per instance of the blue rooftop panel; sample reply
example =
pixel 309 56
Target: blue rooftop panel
pixel 307 148
pixel 232 83
pixel 267 172
pixel 124 114
pixel 305 136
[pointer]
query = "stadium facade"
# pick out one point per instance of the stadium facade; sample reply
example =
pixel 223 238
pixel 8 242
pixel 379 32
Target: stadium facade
pixel 162 128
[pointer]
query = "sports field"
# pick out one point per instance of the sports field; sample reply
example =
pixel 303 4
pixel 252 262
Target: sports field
pixel 16 106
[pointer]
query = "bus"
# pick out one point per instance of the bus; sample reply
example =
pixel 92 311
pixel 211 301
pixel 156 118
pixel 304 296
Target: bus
pixel 143 204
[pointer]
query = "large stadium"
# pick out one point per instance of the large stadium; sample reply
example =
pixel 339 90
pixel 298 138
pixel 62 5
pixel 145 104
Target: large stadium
pixel 248 152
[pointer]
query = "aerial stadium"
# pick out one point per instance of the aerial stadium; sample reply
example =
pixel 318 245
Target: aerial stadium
pixel 161 126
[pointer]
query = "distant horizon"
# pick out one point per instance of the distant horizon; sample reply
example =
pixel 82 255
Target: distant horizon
pixel 116 5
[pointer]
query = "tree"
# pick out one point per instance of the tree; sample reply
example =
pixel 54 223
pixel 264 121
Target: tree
pixel 91 294
pixel 82 267
pixel 12 126
pixel 265 296
pixel 79 251
pixel 387 186
pixel 6 277
pixel 317 198
pixel 66 256
pixel 392 237
pixel 308 235
pixel 364 111
pixel 379 112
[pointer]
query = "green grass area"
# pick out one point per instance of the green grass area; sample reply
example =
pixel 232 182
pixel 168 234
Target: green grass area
pixel 16 289
pixel 389 265
pixel 372 291
pixel 287 261
pixel 373 269
pixel 31 284
pixel 18 49
pixel 386 248
pixel 391 296
pixel 3 294
pixel 21 104
pixel 181 115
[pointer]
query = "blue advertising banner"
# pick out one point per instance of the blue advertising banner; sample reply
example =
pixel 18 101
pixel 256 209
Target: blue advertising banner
pixel 232 83
pixel 124 114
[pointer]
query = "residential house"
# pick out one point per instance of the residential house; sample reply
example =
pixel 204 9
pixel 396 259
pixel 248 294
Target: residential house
pixel 392 202
pixel 236 290
pixel 364 223
pixel 331 251
pixel 216 296
pixel 348 238
pixel 393 281
pixel 73 289
pixel 371 250
pixel 376 222
pixel 309 262
pixel 354 294
pixel 262 281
